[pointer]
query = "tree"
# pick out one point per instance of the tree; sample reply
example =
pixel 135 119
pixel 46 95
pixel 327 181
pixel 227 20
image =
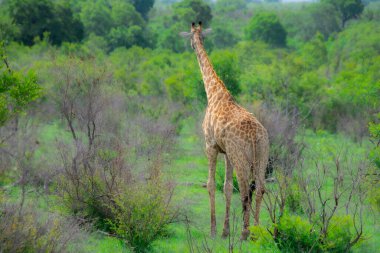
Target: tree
pixel 184 13
pixel 35 17
pixel 348 9
pixel 117 21
pixel 96 17
pixel 266 26
pixel 189 11
pixel 226 66
pixel 16 89
pixel 143 6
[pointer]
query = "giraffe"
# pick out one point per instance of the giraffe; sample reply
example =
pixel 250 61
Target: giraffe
pixel 233 131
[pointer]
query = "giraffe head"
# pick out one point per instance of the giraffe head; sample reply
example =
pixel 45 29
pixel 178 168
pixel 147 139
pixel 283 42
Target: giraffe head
pixel 196 34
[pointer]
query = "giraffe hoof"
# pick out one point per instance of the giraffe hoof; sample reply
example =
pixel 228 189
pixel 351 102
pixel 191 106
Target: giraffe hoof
pixel 244 235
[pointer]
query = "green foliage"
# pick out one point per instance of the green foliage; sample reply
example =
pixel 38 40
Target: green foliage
pixel 339 237
pixel 141 215
pixel 8 30
pixel 17 90
pixel 96 17
pixel 188 11
pixel 262 239
pixel 348 9
pixel 179 20
pixel 372 11
pixel 374 130
pixel 36 17
pixel 267 27
pixel 296 234
pixel 116 21
pixel 294 199
pixel 226 66
pixel 302 25
pixel 356 83
pixel 143 6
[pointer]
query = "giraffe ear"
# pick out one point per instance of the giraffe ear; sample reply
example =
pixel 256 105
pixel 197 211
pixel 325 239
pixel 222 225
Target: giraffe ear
pixel 185 34
pixel 206 32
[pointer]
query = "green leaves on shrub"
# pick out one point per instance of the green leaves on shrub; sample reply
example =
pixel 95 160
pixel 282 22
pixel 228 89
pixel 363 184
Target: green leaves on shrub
pixel 263 240
pixel 297 235
pixel 142 213
pixel 17 90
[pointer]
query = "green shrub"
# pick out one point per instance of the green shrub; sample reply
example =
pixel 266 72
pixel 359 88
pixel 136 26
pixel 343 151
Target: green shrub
pixel 339 235
pixel 293 199
pixel 263 240
pixel 142 213
pixel 297 235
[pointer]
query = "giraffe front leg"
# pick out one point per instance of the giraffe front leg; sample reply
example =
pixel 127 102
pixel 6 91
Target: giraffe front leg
pixel 212 155
pixel 228 188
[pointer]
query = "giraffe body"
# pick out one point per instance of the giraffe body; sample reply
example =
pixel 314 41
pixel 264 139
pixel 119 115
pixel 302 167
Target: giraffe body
pixel 233 131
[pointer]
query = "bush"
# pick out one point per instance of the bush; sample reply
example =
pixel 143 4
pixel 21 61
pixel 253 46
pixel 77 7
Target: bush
pixel 297 235
pixel 263 240
pixel 142 213
pixel 339 237
pixel 17 90
pixel 111 169
pixel 27 230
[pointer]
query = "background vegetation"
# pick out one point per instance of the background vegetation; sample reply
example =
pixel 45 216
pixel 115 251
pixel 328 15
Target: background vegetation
pixel 101 104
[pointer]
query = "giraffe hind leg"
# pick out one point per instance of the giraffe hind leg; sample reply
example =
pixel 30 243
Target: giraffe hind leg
pixel 261 155
pixel 242 167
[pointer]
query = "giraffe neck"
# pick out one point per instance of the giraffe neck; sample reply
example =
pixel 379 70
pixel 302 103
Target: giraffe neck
pixel 213 84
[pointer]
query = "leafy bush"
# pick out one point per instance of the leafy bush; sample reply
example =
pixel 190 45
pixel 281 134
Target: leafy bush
pixel 17 90
pixel 262 239
pixel 297 235
pixel 294 199
pixel 339 237
pixel 142 213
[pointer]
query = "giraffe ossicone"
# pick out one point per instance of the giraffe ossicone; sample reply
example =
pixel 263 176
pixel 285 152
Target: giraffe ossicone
pixel 233 131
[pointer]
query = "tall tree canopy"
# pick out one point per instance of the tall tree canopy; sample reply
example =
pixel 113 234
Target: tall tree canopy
pixel 348 9
pixel 35 17
pixel 143 6
pixel 266 26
